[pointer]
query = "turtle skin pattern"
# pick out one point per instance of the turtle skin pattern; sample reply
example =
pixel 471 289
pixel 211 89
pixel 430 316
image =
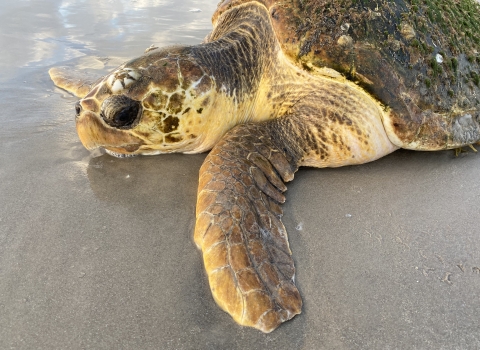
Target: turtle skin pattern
pixel 239 229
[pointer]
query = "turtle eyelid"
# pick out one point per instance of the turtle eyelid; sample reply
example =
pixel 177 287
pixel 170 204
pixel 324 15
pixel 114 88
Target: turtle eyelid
pixel 120 111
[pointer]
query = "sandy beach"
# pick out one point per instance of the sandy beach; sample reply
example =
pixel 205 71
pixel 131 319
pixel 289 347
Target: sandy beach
pixel 97 252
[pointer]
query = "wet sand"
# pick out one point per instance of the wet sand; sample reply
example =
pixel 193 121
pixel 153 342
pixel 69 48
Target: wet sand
pixel 97 252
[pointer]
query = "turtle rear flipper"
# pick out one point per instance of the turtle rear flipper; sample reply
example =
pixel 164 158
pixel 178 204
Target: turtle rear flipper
pixel 77 83
pixel 430 131
pixel 244 243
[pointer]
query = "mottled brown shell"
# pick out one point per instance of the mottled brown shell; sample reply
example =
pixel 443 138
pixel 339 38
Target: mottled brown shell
pixel 413 56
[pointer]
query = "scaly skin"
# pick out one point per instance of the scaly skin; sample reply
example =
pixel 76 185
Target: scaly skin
pixel 239 229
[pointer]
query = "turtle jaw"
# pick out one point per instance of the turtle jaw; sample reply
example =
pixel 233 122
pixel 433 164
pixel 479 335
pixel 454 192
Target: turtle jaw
pixel 120 155
pixel 95 133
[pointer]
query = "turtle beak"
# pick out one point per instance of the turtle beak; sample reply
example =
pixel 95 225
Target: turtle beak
pixel 94 133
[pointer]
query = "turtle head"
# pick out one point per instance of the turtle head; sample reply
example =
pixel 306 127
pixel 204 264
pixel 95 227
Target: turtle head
pixel 157 103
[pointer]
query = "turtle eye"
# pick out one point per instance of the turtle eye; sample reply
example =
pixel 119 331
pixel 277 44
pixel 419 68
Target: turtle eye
pixel 121 111
pixel 78 108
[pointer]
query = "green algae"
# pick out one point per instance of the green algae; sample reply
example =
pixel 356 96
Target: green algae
pixel 408 36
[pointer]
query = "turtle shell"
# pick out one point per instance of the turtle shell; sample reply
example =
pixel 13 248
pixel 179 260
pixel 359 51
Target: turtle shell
pixel 413 56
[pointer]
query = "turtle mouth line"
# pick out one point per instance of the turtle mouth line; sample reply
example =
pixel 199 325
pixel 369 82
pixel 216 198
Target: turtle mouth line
pixel 119 155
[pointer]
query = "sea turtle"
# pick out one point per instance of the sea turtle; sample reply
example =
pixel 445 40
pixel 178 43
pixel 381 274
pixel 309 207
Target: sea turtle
pixel 278 85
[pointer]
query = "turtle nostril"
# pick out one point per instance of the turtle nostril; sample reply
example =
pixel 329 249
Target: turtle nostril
pixel 78 108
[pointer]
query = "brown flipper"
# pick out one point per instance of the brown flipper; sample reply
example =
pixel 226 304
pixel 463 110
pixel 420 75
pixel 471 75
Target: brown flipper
pixel 77 83
pixel 239 229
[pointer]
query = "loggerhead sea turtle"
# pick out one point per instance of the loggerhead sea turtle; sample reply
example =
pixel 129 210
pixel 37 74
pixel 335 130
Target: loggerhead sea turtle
pixel 278 85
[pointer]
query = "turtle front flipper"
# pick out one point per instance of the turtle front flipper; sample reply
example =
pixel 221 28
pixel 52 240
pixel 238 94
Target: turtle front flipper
pixel 244 243
pixel 77 83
